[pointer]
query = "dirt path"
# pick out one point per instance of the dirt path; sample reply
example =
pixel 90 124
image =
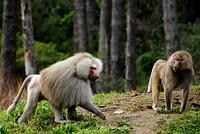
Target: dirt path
pixel 136 109
pixel 142 122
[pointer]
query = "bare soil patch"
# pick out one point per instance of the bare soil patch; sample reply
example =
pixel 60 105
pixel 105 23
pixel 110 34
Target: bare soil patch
pixel 136 109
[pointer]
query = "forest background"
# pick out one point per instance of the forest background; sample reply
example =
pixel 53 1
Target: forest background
pixel 54 38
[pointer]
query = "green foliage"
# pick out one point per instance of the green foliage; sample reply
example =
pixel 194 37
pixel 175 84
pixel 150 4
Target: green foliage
pixel 196 88
pixel 145 60
pixel 187 123
pixel 93 47
pixel 45 54
pixel 53 32
pixel 190 40
pixel 101 131
pixel 123 130
pixel 123 122
pixel 3 129
pixel 174 110
pixel 77 117
pixel 103 99
pixel 52 20
pixel 145 63
pixel 64 129
pixel 42 121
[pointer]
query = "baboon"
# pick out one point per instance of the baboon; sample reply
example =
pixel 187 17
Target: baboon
pixel 65 84
pixel 175 73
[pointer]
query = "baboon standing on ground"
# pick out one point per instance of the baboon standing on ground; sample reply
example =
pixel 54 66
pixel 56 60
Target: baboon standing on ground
pixel 176 72
pixel 65 84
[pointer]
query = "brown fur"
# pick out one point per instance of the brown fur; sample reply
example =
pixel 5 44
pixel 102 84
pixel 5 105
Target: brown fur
pixel 175 73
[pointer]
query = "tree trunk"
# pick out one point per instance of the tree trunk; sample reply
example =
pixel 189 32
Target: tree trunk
pixel 118 41
pixel 75 26
pixel 10 19
pixel 27 29
pixel 170 26
pixel 80 26
pixel 104 43
pixel 131 47
pixel 90 11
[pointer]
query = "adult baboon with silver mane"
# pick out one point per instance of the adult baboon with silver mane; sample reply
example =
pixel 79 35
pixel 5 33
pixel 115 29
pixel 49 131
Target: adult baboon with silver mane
pixel 65 84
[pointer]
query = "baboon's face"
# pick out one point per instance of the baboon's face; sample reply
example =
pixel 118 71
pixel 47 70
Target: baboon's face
pixel 94 75
pixel 181 61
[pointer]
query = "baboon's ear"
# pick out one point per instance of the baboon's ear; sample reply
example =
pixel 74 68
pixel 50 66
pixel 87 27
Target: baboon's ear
pixel 83 68
pixel 99 64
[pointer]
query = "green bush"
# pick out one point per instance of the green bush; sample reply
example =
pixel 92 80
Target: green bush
pixel 52 21
pixel 45 54
pixel 145 63
pixel 190 40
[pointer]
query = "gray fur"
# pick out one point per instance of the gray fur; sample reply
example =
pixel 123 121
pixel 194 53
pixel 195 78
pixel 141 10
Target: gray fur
pixel 60 84
pixel 64 84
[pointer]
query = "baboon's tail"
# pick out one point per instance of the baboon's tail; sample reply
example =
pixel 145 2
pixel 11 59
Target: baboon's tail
pixel 15 101
pixel 150 80
pixel 149 86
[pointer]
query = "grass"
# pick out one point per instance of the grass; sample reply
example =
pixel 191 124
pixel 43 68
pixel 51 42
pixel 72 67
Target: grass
pixel 103 99
pixel 186 123
pixel 42 121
